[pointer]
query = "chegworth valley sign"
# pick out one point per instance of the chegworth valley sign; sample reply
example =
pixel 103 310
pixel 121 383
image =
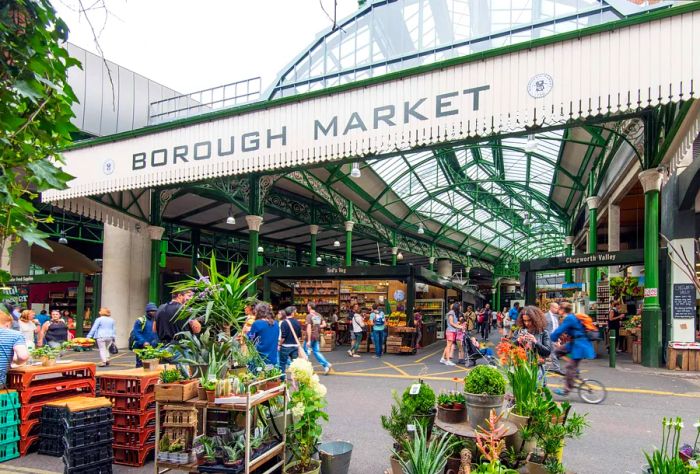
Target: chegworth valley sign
pixel 609 69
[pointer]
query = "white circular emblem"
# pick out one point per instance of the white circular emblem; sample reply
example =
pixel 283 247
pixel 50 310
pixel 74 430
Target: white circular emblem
pixel 108 167
pixel 540 85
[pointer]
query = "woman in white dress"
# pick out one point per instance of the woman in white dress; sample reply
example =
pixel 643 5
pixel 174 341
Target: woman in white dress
pixel 28 327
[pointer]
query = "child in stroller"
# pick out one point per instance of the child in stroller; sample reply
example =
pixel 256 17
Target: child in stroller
pixel 475 352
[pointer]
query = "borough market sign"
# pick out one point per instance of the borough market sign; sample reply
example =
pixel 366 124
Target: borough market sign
pixel 559 80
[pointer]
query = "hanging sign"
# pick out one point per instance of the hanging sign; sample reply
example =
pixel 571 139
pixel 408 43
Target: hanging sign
pixel 651 292
pixel 684 301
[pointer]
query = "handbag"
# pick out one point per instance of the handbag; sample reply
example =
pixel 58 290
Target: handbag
pixel 113 348
pixel 301 352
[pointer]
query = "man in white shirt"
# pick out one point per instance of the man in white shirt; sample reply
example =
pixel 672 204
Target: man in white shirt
pixel 552 318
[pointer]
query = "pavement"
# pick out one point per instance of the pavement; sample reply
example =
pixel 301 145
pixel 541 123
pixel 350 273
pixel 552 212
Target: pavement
pixel 360 391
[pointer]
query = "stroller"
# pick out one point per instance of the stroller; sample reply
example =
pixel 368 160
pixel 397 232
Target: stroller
pixel 474 354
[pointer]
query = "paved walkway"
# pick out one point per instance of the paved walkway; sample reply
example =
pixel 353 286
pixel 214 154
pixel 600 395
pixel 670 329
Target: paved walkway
pixel 359 392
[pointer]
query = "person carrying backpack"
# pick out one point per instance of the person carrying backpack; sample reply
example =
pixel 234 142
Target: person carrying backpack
pixel 377 318
pixel 578 346
pixel 142 335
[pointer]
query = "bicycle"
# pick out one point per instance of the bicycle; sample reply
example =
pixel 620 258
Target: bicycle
pixel 589 390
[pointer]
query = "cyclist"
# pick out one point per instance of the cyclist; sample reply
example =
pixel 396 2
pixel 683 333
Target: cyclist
pixel 578 346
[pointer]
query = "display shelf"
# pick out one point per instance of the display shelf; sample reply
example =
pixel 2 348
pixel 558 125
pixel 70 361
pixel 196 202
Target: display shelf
pixel 603 303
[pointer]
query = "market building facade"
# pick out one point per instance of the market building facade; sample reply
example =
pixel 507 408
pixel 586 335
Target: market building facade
pixel 465 154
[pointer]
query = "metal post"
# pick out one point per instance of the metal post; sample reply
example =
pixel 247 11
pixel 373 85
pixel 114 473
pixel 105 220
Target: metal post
pixel 611 351
pixel 593 202
pixel 651 314
pixel 80 306
pixel 568 273
pixel 154 279
pixel 348 242
pixel 313 229
pixel 254 223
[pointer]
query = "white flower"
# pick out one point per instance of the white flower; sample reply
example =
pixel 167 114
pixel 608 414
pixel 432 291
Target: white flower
pixel 696 424
pixel 298 410
pixel 314 380
pixel 301 370
pixel 320 390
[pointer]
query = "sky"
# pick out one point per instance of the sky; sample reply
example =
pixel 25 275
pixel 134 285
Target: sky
pixel 189 46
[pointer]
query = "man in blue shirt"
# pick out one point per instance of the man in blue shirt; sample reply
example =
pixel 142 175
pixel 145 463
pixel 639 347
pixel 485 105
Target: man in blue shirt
pixel 514 312
pixel 13 347
pixel 143 334
pixel 377 318
pixel 42 317
pixel 578 346
pixel 265 332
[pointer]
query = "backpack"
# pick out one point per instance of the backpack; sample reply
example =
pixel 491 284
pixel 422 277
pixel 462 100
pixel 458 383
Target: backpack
pixel 481 318
pixel 132 337
pixel 589 327
pixel 379 319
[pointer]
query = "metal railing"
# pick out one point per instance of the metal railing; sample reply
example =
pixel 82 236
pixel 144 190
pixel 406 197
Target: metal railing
pixel 206 100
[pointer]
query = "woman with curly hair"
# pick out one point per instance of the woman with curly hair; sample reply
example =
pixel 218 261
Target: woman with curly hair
pixel 532 335
pixel 265 332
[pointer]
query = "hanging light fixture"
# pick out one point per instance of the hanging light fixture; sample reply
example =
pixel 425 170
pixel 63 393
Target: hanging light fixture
pixel 319 259
pixel 62 239
pixel 399 256
pixel 531 144
pixel 421 230
pixel 261 249
pixel 469 253
pixel 230 220
pixel 526 221
pixel 355 171
pixel 336 244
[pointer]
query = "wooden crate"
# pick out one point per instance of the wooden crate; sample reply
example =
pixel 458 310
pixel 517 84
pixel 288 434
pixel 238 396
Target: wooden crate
pixel 637 352
pixel 683 359
pixel 393 349
pixel 176 392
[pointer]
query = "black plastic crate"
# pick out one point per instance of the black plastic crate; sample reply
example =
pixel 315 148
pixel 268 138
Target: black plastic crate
pixel 88 455
pixel 88 417
pixel 78 437
pixel 102 467
pixel 52 428
pixel 51 445
pixel 49 414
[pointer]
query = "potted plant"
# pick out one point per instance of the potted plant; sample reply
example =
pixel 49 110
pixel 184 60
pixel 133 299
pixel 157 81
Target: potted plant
pixel 46 354
pixel 421 405
pixel 175 452
pixel 396 425
pixel 271 373
pixel 451 407
pixel 195 350
pixel 491 445
pixel 552 423
pixel 308 400
pixel 456 456
pixel 424 456
pixel 232 455
pixel 208 453
pixel 164 448
pixel 209 387
pixel 485 388
pixel 151 356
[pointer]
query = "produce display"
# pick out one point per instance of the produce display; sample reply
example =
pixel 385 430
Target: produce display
pixel 396 318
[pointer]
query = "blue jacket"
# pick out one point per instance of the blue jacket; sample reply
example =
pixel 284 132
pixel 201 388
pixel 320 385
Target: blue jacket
pixel 579 347
pixel 145 335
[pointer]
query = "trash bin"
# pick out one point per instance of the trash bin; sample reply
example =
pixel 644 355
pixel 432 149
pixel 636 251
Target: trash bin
pixel 335 457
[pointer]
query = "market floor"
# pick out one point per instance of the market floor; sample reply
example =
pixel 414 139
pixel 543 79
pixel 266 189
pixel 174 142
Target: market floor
pixel 360 391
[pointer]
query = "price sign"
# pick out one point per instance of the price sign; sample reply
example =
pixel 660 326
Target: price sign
pixel 415 388
pixel 651 292
pixel 684 301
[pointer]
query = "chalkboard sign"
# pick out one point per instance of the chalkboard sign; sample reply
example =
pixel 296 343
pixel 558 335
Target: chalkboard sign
pixel 683 300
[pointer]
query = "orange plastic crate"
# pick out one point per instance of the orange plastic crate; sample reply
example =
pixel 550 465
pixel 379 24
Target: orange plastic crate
pixel 113 385
pixel 133 421
pixel 25 444
pixel 55 387
pixel 132 457
pixel 133 439
pixel 132 403
pixel 26 427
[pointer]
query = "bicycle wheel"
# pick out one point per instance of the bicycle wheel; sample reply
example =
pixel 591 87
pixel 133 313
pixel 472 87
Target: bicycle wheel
pixel 592 391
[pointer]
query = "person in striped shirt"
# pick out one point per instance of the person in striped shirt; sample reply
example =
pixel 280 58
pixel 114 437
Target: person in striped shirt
pixel 13 347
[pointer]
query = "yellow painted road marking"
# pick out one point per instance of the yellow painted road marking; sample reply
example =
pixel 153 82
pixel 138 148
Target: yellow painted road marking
pixel 429 355
pixel 370 369
pixel 448 379
pixel 33 470
pixel 402 372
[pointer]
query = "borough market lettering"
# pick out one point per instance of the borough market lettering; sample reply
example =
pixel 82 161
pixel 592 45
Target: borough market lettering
pixel 391 115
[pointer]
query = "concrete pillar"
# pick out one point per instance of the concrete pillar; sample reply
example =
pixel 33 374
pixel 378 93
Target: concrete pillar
pixel 593 203
pixel 126 257
pixel 313 230
pixel 444 268
pixel 683 330
pixel 651 317
pixel 20 259
pixel 613 235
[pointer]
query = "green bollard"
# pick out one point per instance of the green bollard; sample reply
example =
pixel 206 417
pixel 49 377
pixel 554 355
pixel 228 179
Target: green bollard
pixel 611 342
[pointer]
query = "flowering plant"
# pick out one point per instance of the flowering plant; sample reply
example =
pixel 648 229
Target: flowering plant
pixel 665 460
pixel 634 322
pixel 491 443
pixel 509 354
pixel 308 400
pixel 522 373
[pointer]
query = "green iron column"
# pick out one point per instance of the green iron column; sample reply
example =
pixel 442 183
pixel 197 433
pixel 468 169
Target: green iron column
pixel 569 250
pixel 394 255
pixel 155 232
pixel 348 242
pixel 313 230
pixel 593 203
pixel 254 223
pixel 431 263
pixel 195 235
pixel 651 315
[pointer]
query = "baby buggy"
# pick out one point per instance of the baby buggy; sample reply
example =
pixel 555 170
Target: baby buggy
pixel 474 353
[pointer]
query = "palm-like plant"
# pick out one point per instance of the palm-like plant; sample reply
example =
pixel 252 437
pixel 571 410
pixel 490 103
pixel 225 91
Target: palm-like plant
pixel 219 299
pixel 421 456
pixel 196 350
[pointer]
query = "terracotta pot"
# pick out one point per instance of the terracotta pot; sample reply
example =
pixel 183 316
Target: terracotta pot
pixel 211 395
pixel 479 408
pixel 46 362
pixel 452 415
pixel 315 469
pixel 535 468
pixel 453 464
pixel 201 393
pixel 150 364
pixel 395 466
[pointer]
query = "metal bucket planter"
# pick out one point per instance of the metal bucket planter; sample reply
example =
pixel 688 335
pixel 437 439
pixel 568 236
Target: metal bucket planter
pixel 335 457
pixel 452 415
pixel 479 408
pixel 427 420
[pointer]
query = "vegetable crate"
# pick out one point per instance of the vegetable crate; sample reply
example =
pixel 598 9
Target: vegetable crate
pixel 9 425
pixel 129 385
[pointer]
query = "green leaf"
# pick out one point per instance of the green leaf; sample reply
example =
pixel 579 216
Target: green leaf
pixel 35 237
